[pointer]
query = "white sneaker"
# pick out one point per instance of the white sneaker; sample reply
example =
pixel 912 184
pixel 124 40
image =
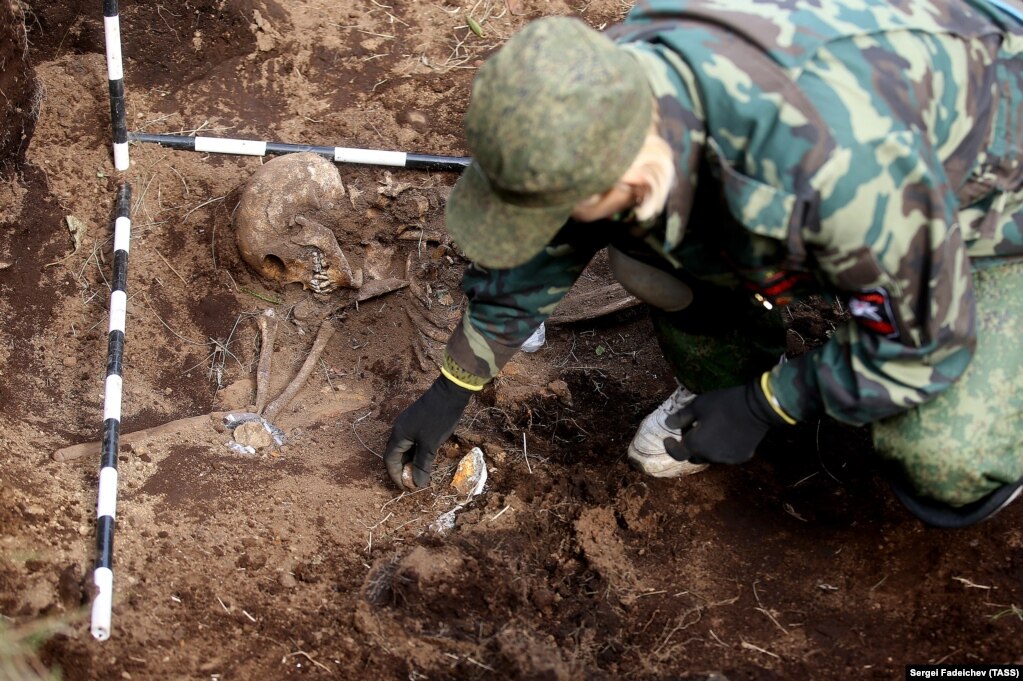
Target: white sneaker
pixel 646 451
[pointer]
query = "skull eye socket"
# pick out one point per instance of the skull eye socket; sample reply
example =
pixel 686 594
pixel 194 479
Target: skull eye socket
pixel 272 263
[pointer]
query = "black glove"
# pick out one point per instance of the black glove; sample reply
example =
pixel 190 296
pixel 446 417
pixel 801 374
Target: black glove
pixel 422 428
pixel 723 426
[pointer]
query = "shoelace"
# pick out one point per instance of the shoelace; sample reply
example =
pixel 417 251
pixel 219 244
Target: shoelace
pixel 676 400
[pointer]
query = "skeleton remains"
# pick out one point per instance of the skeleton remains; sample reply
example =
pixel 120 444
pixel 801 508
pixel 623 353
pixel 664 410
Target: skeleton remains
pixel 277 233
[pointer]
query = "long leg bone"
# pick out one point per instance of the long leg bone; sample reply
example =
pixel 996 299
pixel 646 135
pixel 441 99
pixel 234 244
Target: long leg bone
pixel 322 337
pixel 267 332
pixel 80 450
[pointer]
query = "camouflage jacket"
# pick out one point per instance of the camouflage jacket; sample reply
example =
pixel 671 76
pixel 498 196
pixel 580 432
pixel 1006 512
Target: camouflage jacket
pixel 863 149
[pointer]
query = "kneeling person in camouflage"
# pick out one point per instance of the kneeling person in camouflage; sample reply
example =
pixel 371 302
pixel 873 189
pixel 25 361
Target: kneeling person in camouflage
pixel 737 157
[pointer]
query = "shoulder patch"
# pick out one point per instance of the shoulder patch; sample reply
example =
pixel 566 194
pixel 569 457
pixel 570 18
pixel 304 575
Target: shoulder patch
pixel 872 310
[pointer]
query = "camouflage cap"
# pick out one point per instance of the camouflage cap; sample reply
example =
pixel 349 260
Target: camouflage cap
pixel 556 115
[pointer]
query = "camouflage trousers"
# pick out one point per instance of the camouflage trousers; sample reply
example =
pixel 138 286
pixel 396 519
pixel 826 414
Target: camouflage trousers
pixel 969 440
pixel 720 339
pixel 957 448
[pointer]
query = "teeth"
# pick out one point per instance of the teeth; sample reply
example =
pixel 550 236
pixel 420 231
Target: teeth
pixel 321 283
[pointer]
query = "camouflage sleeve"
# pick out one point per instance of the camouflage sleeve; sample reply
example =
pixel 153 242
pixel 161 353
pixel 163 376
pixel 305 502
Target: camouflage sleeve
pixel 890 244
pixel 506 306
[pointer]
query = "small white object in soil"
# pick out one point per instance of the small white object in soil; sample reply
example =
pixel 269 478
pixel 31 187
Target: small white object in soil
pixel 245 450
pixel 471 474
pixel 536 341
pixel 445 522
pixel 406 477
pixel 470 479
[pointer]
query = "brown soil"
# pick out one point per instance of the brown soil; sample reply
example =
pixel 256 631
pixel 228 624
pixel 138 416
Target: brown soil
pixel 307 561
pixel 17 86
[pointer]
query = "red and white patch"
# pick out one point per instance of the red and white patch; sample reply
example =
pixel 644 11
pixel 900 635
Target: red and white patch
pixel 873 310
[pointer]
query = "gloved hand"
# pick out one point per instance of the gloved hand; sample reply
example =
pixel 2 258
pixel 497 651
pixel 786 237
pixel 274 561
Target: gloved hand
pixel 422 428
pixel 723 426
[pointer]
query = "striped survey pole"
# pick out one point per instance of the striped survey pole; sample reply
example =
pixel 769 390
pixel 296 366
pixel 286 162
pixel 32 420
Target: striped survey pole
pixel 223 145
pixel 115 73
pixel 106 502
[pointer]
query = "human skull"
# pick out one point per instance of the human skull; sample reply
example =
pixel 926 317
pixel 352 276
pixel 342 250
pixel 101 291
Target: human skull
pixel 275 225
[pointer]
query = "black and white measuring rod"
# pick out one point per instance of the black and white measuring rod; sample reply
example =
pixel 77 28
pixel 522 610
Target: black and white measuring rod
pixel 115 77
pixel 106 500
pixel 223 145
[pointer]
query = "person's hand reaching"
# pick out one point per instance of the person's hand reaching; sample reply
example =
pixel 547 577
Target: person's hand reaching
pixel 422 428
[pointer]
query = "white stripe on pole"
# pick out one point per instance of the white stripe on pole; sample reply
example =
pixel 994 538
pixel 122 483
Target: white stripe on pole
pixel 118 310
pixel 112 31
pixel 106 501
pixel 121 160
pixel 102 604
pixel 216 145
pixel 112 398
pixel 122 234
pixel 370 156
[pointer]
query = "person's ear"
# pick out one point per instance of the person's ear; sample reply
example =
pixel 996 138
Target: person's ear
pixel 638 181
